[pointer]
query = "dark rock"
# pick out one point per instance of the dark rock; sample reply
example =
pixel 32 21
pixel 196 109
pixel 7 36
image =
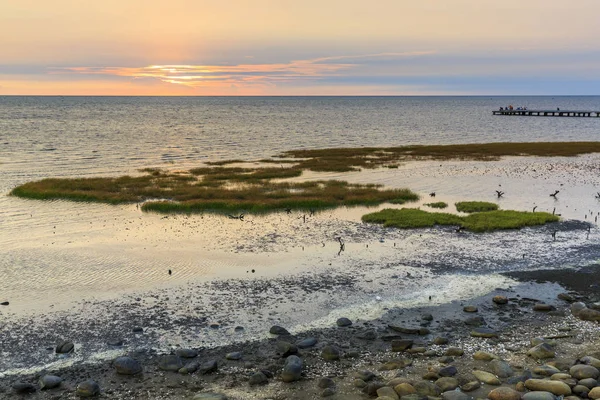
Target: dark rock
pixel 186 353
pixel 405 330
pixel 115 342
pixel 286 349
pixel 501 368
pixel 475 321
pixel 238 328
pixel 440 340
pixel 484 333
pixel 365 375
pixel 367 335
pixel 4 303
pixel 455 395
pixel 50 382
pixel 127 366
pixel 372 388
pixel 331 353
pixel 234 356
pixel 258 378
pixel 470 386
pixel 500 299
pixel 582 371
pixel 588 383
pixel 454 351
pixel 170 363
pixel 190 367
pixel 401 345
pixel 326 383
pixel 387 392
pixel 425 388
pixel 24 388
pixel 292 369
pixel 208 367
pixel 446 383
pixel 65 347
pixel 328 392
pixel 448 371
pixel 543 307
pixel 88 388
pixel 138 329
pixel 541 351
pixel 278 330
pixel 306 343
pixel 343 322
pixel 566 297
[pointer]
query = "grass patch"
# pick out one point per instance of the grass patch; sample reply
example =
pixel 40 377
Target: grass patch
pixel 439 204
pixel 475 206
pixel 479 222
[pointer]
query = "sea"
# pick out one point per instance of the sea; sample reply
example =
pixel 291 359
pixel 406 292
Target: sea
pixel 57 254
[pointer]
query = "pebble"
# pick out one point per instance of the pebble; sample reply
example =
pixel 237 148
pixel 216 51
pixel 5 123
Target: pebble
pixel 278 330
pixel 440 340
pixel 365 375
pixel 484 356
pixel 486 377
pixel 331 353
pixel 234 356
pixel 258 378
pixel 190 367
pixel 454 351
pixel 325 383
pixel 404 389
pixel 88 388
pixel 447 383
pixel 448 371
pixel 500 299
pixel 343 322
pixel 306 343
pixel 484 333
pixel 387 391
pixel 170 363
pixel 330 391
pixel 470 309
pixel 24 388
pixel 127 366
pixel 50 382
pixel 546 370
pixel 186 353
pixel 501 368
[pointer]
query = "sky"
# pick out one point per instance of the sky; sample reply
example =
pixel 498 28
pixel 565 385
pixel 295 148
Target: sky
pixel 293 47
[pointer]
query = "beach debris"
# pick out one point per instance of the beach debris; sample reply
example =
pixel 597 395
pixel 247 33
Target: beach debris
pixel 555 193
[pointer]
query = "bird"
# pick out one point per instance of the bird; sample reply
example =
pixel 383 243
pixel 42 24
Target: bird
pixel 288 210
pixel 555 193
pixel 499 193
pixel 534 208
pixel 598 195
pixel 170 272
pixel 432 194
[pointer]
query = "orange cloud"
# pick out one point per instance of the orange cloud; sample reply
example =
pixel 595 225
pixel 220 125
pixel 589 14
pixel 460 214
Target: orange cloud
pixel 196 76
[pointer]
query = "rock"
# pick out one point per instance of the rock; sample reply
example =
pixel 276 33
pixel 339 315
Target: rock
pixel 286 349
pixel 292 369
pixel 330 391
pixel 484 333
pixel 416 350
pixel 470 386
pixel 385 398
pixel 138 329
pixel 306 343
pixel 258 378
pixel 582 371
pixel 470 309
pixel 580 390
pixel 50 382
pixel 234 356
pixel 372 387
pixel 401 345
pixel 562 364
pixel 341 322
pixel 425 388
pixel 278 330
pixel 210 396
pixel 127 366
pixel 440 340
pixel 170 363
pixel 537 395
pixel 588 360
pixel 543 307
pixel 115 342
pixel 446 359
pixel 88 388
pixel 484 356
pixel 566 297
pixel 504 393
pixel 23 388
pixel 403 329
pixel 587 314
pixel 448 371
pixel 190 367
pixel 500 299
pixel 359 383
pixel 394 364
pixel 431 376
pixel 588 383
pixel 546 370
pixel 594 394
pixel 501 368
pixel 454 351
pixel 404 389
pixel 368 335
pixel 413 397
pixel 387 391
pixel 427 317
pixel 556 387
pixel 455 395
pixel 365 375
pixel 577 307
pixel 326 383
pixel 4 303
pixel 65 347
pixel 475 321
pixel 186 353
pixel 208 367
pixel 486 377
pixel 447 383
pixel 331 353
pixel 541 351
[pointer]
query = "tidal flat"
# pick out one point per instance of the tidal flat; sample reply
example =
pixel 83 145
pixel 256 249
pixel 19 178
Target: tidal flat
pixel 289 270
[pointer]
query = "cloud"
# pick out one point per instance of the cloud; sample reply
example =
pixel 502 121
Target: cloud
pixel 242 74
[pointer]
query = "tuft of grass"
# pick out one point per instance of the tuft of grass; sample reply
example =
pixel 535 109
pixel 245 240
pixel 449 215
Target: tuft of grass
pixel 475 206
pixel 439 204
pixel 225 162
pixel 480 222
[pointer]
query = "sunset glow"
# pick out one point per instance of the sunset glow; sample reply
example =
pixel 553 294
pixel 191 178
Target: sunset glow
pixel 288 47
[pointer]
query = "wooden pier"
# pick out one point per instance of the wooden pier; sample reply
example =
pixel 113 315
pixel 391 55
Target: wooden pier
pixel 548 113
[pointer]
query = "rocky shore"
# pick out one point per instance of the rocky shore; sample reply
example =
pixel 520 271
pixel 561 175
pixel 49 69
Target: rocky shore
pixel 507 345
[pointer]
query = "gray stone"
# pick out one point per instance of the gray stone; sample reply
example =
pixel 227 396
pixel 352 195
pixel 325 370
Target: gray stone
pixel 470 309
pixel 425 388
pixel 556 387
pixel 470 386
pixel 190 367
pixel 501 368
pixel 447 383
pixel 343 322
pixel 330 391
pixel 88 388
pixel 127 366
pixel 587 314
pixel 543 307
pixel 454 351
pixel 440 340
pixel 258 378
pixel 50 382
pixel 455 395
pixel 475 321
pixel 331 353
pixel 541 351
pixel 208 367
pixel 387 391
pixel 401 345
pixel 306 343
pixel 170 362
pixel 65 347
pixel 210 396
pixel 577 307
pixel 286 349
pixel 292 369
pixel 582 371
pixel 368 335
pixel 580 390
pixel 448 371
pixel 484 333
pixel 372 387
pixel 486 377
pixel 588 383
pixel 23 388
pixel 325 383
pixel 186 353
pixel 500 299
pixel 234 356
pixel 365 375
pixel 589 360
pixel 504 393
pixel 538 395
pixel 546 370
pixel 484 356
pixel 278 330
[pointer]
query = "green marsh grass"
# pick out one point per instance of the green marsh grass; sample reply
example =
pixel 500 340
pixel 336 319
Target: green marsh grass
pixel 486 221
pixel 475 206
pixel 439 204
